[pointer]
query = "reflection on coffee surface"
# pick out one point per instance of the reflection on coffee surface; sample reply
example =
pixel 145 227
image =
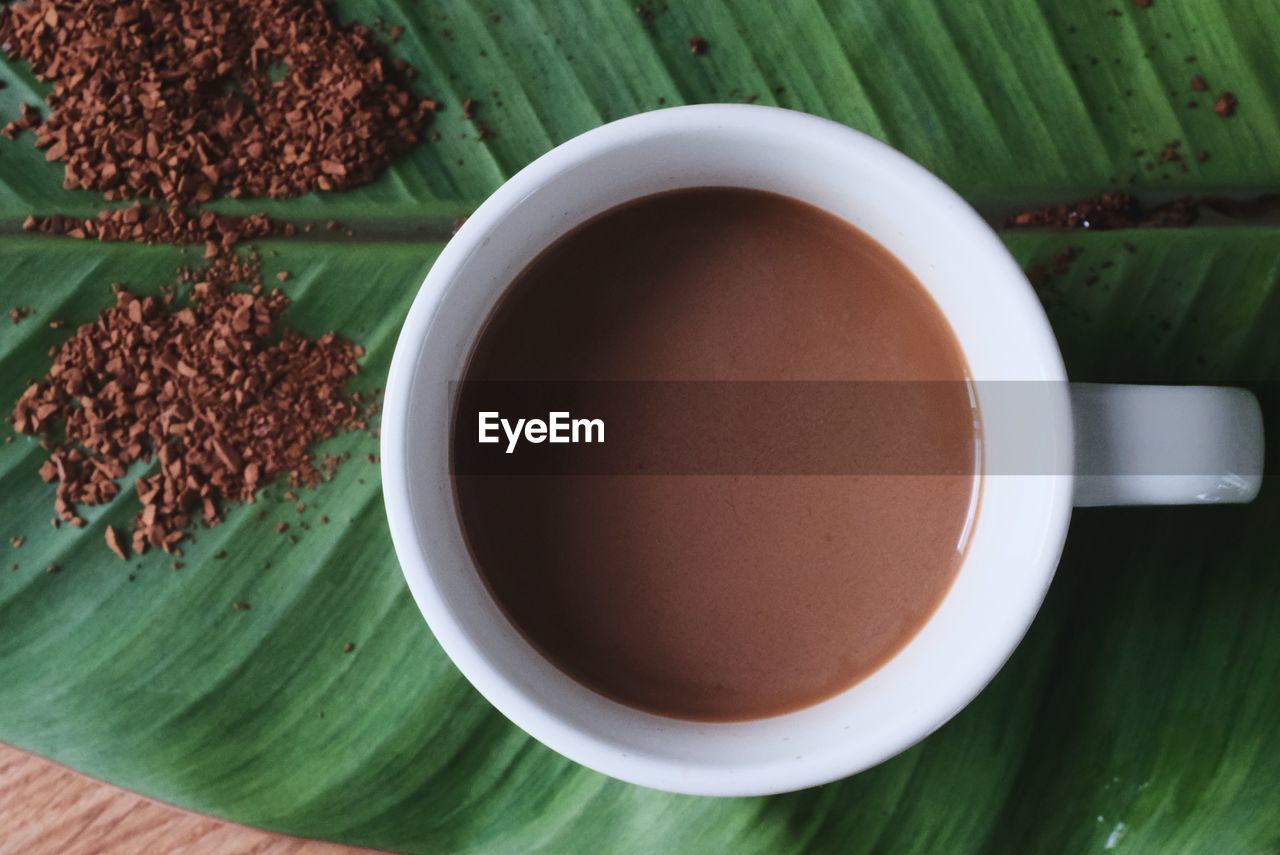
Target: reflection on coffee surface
pixel 722 596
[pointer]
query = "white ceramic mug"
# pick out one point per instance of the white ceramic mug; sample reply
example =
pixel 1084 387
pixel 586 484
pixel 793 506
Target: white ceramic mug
pixel 1019 530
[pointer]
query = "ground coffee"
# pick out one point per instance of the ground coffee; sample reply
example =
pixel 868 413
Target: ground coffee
pixel 155 224
pixel 201 386
pixel 186 100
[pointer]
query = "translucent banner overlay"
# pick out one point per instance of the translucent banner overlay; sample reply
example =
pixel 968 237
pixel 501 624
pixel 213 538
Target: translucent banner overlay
pixel 821 428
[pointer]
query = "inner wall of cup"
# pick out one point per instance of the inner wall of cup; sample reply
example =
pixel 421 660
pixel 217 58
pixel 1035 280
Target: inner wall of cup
pixel 937 237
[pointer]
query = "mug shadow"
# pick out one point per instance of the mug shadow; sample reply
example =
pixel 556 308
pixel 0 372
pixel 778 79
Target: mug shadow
pixel 1141 702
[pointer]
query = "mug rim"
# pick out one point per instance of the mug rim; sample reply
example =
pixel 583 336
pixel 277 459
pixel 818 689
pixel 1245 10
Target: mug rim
pixel 492 681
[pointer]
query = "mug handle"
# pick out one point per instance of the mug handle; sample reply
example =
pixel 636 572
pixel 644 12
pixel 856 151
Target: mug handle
pixel 1165 445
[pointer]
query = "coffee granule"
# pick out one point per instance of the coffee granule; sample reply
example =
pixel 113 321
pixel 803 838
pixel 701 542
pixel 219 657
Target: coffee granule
pixel 199 388
pixel 18 314
pixel 697 45
pixel 1170 153
pixel 115 545
pixel 187 100
pixel 1198 83
pixel 1226 105
pixel 469 110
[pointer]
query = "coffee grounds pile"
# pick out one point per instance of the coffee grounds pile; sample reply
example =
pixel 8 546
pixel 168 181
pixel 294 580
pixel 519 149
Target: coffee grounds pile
pixel 187 100
pixel 152 224
pixel 1108 211
pixel 201 388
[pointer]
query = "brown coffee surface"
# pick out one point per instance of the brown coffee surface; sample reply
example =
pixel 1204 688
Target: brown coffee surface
pixel 720 597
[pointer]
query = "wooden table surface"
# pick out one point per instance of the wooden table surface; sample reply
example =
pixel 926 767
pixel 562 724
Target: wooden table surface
pixel 47 808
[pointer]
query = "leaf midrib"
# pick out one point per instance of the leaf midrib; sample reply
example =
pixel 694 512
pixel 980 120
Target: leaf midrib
pixel 996 211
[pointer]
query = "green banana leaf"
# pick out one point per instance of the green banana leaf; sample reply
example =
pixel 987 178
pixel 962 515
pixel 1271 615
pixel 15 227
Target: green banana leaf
pixel 1003 99
pixel 1141 712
